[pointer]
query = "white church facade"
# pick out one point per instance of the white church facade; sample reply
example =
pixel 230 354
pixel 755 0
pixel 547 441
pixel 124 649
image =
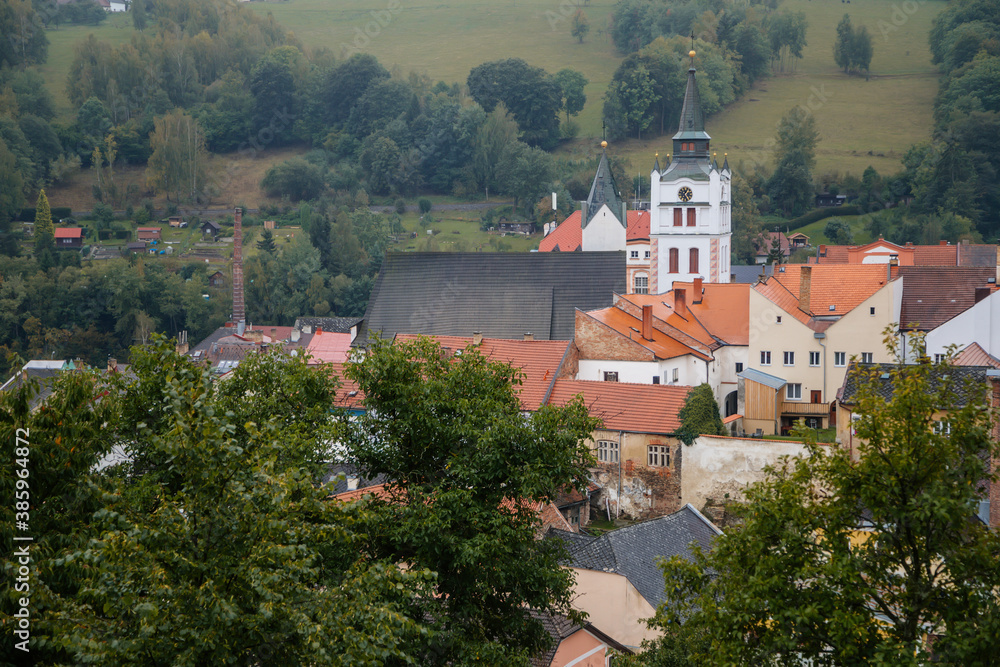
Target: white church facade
pixel 687 234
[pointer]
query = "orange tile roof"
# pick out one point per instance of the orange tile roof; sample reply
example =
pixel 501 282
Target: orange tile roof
pixel 348 395
pixel 842 286
pixel 662 345
pixel 975 355
pixel 724 311
pixel 779 295
pixel 329 347
pixel 539 360
pixel 568 236
pixel 68 232
pixel 637 408
pixel 377 491
pixel 908 254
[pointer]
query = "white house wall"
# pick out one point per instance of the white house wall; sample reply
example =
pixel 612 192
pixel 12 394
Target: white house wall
pixel 979 324
pixel 604 232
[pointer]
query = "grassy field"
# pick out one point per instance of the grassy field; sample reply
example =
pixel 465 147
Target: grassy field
pixel 856 222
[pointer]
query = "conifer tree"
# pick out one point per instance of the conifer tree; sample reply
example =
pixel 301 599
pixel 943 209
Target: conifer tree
pixel 44 230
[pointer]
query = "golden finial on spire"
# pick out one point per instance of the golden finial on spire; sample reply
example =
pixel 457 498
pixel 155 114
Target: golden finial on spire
pixel 604 144
pixel 691 53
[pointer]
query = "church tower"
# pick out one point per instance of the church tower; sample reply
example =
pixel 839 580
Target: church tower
pixel 603 220
pixel 690 213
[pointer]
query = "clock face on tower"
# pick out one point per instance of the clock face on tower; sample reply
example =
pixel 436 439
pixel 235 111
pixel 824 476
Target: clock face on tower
pixel 684 194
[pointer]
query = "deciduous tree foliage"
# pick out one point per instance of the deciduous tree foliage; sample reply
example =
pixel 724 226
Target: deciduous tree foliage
pixel 530 93
pixel 791 187
pixel 465 470
pixel 875 558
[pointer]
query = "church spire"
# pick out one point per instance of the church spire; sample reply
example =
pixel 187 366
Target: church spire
pixel 691 140
pixel 603 191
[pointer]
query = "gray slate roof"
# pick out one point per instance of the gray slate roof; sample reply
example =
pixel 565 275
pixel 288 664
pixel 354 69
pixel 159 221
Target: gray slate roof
pixel 749 273
pixel 966 380
pixel 635 550
pixel 501 295
pixel 603 191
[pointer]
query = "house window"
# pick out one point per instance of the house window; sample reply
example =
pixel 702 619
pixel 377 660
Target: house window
pixel 611 376
pixel 656 379
pixel 871 311
pixel 678 217
pixel 693 255
pixel 674 260
pixel 642 284
pixel 789 358
pixel 634 254
pixel 814 358
pixel 778 319
pixel 839 358
pixel 765 358
pixel 866 357
pixel 607 451
pixel 658 456
pixel 675 374
pixel 942 427
pixel 739 366
pixel 793 392
pixel 646 255
pixel 692 217
pixel 938 358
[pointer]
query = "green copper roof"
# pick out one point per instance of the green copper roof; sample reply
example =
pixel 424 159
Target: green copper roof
pixel 603 191
pixel 692 125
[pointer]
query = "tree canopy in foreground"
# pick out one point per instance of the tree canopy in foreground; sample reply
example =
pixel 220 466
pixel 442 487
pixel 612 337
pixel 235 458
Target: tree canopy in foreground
pixel 877 559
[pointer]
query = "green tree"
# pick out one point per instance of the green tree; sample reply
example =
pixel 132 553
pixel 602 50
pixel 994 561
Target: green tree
pixel 868 555
pixel 11 198
pixel 494 136
pixel 861 49
pixel 787 34
pixel 465 472
pixel 44 229
pixel 634 96
pixel 217 529
pixel 791 186
pixel 530 93
pixel 837 231
pixel 24 42
pixel 844 43
pixel 572 84
pixel 266 242
pixel 748 230
pixel 579 25
pixel 700 415
pixel 179 161
pixel 296 179
pixel 524 173
pixel 138 12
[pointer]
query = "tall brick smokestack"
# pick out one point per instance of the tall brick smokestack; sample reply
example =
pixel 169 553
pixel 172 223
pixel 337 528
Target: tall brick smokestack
pixel 239 307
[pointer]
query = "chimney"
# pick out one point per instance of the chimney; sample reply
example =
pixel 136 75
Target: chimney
pixel 239 307
pixel 647 322
pixel 942 243
pixel 319 331
pixel 182 343
pixel 805 288
pixel 982 293
pixel 307 328
pixel 696 297
pixel 477 338
pixel 822 250
pixel 241 327
pixel 112 364
pixel 529 336
pixel 296 334
pixel 680 302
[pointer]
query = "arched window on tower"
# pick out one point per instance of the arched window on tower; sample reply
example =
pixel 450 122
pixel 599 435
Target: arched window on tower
pixel 674 253
pixel 694 261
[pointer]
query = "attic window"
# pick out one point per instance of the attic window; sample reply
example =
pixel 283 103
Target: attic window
pixel 779 319
pixel 833 307
pixel 781 269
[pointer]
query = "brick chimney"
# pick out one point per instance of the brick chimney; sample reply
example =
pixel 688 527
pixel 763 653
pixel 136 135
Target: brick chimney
pixel 477 338
pixel 239 307
pixel 805 288
pixel 112 365
pixel 696 296
pixel 647 322
pixel 680 302
pixel 822 250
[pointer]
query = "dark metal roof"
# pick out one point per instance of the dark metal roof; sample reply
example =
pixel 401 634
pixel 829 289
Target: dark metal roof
pixel 603 191
pixel 501 295
pixel 692 124
pixel 635 550
pixel 749 273
pixel 966 381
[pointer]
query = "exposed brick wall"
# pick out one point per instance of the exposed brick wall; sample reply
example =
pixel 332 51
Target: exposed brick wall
pixel 597 341
pixel 571 363
pixel 647 492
